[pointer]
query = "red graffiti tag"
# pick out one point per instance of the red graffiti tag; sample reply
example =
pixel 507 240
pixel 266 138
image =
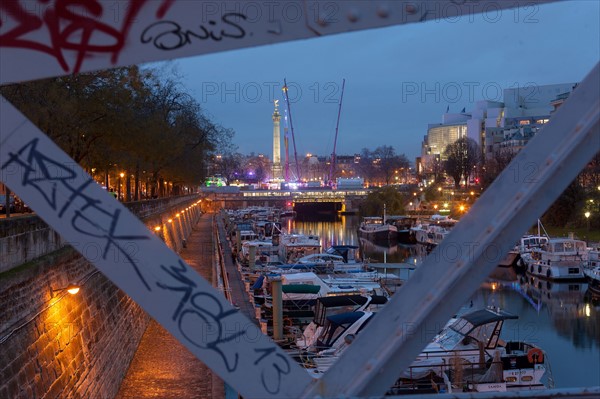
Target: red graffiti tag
pixel 70 25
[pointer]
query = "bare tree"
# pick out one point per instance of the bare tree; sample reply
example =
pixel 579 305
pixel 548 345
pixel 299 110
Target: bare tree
pixel 388 162
pixel 461 157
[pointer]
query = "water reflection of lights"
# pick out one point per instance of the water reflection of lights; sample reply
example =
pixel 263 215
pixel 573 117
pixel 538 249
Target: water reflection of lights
pixel 587 310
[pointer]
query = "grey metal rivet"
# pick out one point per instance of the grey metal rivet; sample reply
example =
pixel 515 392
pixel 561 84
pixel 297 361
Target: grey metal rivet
pixel 353 15
pixel 383 12
pixel 322 20
pixel 411 8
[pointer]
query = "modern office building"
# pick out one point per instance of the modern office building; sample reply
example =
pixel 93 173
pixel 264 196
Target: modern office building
pixel 496 126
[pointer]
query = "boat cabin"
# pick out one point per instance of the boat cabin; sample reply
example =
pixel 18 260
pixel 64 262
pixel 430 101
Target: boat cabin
pixel 342 327
pixel 247 235
pixel 349 253
pixel 565 247
pixel 482 325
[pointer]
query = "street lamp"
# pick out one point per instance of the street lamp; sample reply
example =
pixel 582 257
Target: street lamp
pixel 587 218
pixel 71 289
pixel 121 175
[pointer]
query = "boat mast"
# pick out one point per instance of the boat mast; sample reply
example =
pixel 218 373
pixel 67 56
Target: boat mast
pixel 337 125
pixel 384 206
pixel 287 149
pixel 287 100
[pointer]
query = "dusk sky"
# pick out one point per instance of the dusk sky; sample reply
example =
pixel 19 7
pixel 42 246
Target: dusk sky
pixel 398 79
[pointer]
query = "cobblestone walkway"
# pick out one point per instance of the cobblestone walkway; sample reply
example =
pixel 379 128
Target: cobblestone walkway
pixel 162 367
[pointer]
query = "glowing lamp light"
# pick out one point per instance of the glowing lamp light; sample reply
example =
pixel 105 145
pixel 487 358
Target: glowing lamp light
pixel 170 220
pixel 157 228
pixel 122 175
pixel 177 215
pixel 587 214
pixel 73 289
pixel 462 208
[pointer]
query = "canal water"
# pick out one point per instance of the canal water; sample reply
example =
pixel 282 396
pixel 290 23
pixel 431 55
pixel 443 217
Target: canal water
pixel 561 318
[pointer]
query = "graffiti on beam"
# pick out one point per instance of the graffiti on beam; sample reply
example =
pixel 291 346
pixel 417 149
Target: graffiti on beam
pixel 70 26
pixel 204 323
pixel 169 35
pixel 91 217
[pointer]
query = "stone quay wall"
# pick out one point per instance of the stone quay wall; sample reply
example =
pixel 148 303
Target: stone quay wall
pixel 57 345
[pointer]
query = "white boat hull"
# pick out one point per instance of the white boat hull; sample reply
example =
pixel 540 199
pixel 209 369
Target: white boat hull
pixel 557 271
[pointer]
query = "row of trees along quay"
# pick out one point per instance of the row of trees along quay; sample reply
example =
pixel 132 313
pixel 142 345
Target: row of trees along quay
pixel 134 130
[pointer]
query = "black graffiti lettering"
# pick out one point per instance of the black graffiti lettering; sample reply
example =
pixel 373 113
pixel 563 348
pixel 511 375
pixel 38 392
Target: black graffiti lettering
pixel 200 313
pixel 169 35
pixel 275 368
pixel 38 169
pixel 187 288
pixel 89 218
pixel 240 31
pixel 79 193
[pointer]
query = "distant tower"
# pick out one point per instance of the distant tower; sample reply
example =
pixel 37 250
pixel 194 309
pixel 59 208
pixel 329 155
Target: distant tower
pixel 276 143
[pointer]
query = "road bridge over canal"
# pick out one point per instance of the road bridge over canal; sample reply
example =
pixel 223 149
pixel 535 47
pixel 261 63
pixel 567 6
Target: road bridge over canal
pixel 299 200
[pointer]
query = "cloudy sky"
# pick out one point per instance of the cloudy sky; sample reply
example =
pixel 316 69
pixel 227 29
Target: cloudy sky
pixel 398 79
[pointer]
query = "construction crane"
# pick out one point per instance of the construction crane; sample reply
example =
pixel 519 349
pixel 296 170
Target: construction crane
pixel 337 125
pixel 287 100
pixel 286 146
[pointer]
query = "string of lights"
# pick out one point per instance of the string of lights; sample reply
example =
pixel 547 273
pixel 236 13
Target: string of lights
pixel 177 215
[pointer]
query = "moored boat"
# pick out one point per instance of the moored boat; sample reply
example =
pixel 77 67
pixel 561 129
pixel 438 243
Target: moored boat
pixel 374 229
pixel 592 270
pixel 559 259
pixel 468 354
pixel 431 232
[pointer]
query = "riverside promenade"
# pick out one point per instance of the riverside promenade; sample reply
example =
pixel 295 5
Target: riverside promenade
pixel 162 367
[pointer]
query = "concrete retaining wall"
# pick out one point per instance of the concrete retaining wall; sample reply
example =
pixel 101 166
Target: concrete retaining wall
pixel 25 238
